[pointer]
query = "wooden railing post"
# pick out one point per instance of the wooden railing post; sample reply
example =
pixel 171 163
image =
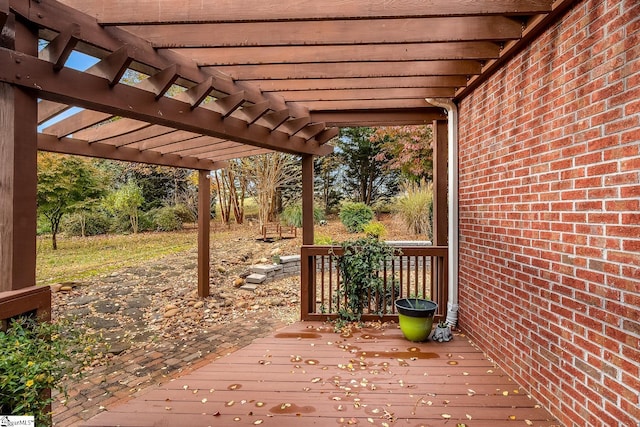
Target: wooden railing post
pixel 307 262
pixel 204 226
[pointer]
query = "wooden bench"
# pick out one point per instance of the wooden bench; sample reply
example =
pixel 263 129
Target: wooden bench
pixel 277 231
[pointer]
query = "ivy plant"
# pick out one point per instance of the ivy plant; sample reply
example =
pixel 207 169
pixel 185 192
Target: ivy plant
pixel 360 273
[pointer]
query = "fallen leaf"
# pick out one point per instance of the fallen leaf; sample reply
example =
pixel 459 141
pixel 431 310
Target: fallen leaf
pixel 528 422
pixel 204 400
pixel 259 404
pixel 217 414
pixel 316 379
pixel 257 422
pixel 230 403
pixel 167 408
pixel 512 417
pixel 446 416
pixel 505 393
pixel 468 416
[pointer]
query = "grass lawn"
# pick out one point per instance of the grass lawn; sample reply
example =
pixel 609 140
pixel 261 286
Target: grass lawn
pixel 78 258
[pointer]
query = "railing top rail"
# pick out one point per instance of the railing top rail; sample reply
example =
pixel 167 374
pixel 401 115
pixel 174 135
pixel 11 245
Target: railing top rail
pixel 440 251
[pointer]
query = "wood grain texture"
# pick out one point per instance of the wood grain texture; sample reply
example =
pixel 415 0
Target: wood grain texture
pixel 150 11
pixel 306 374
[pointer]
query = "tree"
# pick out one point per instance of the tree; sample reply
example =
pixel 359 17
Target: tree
pixel 65 184
pixel 127 200
pixel 326 171
pixel 269 173
pixel 365 175
pixel 231 187
pixel 408 149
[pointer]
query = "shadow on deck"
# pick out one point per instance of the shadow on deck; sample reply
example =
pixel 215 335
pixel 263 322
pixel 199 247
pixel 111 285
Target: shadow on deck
pixel 305 374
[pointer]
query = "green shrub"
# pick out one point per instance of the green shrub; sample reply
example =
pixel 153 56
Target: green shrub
pixel 323 239
pixel 416 208
pixel 93 222
pixel 184 213
pixel 34 357
pixel 375 229
pixel 355 215
pixel 292 215
pixel 43 225
pixel 146 221
pixel 167 219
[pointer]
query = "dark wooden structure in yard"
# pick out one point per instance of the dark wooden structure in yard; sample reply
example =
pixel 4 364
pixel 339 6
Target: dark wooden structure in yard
pixel 539 224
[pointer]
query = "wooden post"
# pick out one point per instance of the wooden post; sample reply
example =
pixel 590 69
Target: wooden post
pixel 204 222
pixel 307 267
pixel 18 172
pixel 440 183
pixel 307 200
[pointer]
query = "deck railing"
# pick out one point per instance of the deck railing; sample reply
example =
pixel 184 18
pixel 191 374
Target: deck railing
pixel 416 271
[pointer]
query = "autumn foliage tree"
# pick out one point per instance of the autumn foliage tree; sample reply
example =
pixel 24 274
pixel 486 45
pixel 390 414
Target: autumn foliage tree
pixel 407 149
pixel 65 184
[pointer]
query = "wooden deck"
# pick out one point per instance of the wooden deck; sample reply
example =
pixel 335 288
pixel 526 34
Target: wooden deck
pixel 305 374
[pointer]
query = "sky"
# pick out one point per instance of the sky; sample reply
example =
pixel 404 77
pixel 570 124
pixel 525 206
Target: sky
pixel 77 61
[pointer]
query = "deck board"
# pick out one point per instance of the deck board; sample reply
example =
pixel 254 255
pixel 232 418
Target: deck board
pixel 306 374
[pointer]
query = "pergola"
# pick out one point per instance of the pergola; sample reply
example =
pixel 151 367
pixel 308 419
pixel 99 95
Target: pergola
pixel 548 149
pixel 255 77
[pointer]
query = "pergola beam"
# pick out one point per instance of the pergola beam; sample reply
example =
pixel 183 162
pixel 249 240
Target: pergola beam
pixel 369 94
pixel 189 147
pixel 235 153
pixel 136 136
pixel 379 117
pixel 353 69
pixel 283 85
pixel 341 53
pixel 363 105
pixel 59 49
pixel 160 82
pixel 330 32
pixel 117 12
pixel 162 140
pixel 91 92
pixel 116 128
pixel 105 151
pixel 4 13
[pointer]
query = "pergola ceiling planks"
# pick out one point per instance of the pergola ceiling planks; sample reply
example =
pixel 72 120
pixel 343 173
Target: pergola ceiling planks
pixel 105 151
pixel 331 32
pixel 299 50
pixel 261 73
pixel 116 12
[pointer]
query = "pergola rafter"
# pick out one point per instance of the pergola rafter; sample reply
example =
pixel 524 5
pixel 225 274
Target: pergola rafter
pixel 240 79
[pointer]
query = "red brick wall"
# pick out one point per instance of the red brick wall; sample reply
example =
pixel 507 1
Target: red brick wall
pixel 550 215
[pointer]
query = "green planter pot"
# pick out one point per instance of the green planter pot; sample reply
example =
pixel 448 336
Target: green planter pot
pixel 416 317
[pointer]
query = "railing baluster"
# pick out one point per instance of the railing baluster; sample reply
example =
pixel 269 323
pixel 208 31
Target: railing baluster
pixel 417 271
